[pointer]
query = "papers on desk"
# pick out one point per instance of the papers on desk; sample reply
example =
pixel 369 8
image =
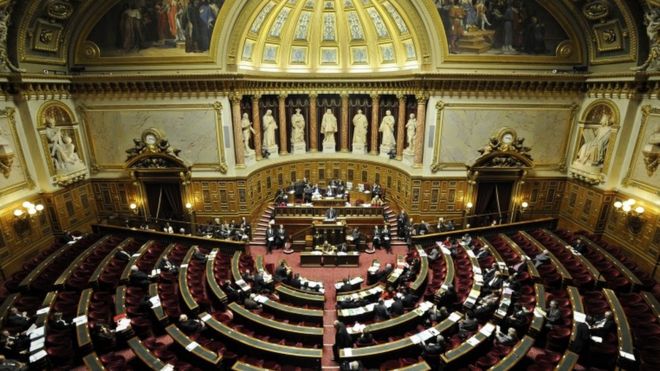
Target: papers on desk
pixel 190 347
pixel 454 317
pixel 597 339
pixel 243 285
pixel 373 269
pixel 317 252
pixel 37 356
pixel 356 281
pixel 627 355
pixel 478 278
pixel 168 367
pixel 155 272
pixel 37 344
pixel 473 341
pixel 183 266
pixel 502 265
pixel 205 317
pixel 123 325
pixel 155 301
pixel 136 255
pixel 341 253
pixel 358 328
pixel 538 312
pixel 476 269
pixel 80 320
pixel 445 250
pixel 36 332
pixel 261 299
pixel 579 317
pixel 43 310
pixel 471 253
pixel 487 329
pixel 416 339
pixel 348 352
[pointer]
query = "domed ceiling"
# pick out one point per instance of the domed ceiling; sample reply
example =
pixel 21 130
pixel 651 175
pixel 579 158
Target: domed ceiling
pixel 330 36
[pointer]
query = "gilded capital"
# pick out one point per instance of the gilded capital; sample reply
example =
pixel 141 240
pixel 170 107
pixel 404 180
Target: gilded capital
pixel 421 98
pixel 401 97
pixel 283 96
pixel 374 96
pixel 313 95
pixel 236 98
pixel 217 106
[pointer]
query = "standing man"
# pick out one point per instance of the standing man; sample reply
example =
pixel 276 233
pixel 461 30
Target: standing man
pixel 401 220
pixel 270 238
pixel 342 339
pixel 280 237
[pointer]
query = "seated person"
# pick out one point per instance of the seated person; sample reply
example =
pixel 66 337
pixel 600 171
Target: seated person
pixel 483 253
pixel 327 248
pixel 345 286
pixel 233 293
pixel 604 325
pixel 198 255
pixel 18 320
pixel 409 299
pixel 295 281
pixel 281 272
pixel 385 272
pixel 552 315
pixel 376 201
pixel 423 228
pixel 494 283
pixel 518 318
pixel 448 296
pixel 14 345
pixel 247 276
pixel 440 227
pixel 343 247
pixel 11 364
pixel 365 338
pixel 486 305
pixel 122 255
pixel 190 326
pixel 580 246
pixel 541 258
pixel 449 226
pixel 166 265
pixel 467 325
pixel 435 315
pixel 251 303
pixel 508 339
pixel 58 323
pixel 396 309
pixel 104 337
pixel 138 278
pixel 381 311
pixel 434 253
pixel 433 349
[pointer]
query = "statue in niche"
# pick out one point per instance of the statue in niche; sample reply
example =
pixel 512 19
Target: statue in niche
pixel 246 126
pixel 387 128
pixel 329 127
pixel 66 157
pixel 593 150
pixel 269 127
pixel 298 125
pixel 360 125
pixel 411 128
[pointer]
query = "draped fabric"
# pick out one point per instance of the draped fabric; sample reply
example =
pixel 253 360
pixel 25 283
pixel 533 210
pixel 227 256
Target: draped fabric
pixel 164 201
pixel 493 199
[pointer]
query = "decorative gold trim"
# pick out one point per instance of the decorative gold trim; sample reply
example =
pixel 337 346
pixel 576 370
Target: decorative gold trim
pixel 441 107
pixel 27 182
pixel 41 120
pixel 647 112
pixel 221 166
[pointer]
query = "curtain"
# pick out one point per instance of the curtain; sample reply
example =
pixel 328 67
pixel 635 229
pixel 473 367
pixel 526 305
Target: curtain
pixel 493 199
pixel 171 203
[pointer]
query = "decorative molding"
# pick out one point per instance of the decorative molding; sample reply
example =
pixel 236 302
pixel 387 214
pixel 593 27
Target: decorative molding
pixel 27 182
pixel 647 111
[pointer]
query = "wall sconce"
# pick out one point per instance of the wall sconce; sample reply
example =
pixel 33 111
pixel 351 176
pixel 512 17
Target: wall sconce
pixel 634 220
pixel 134 208
pixel 23 216
pixel 189 208
pixel 468 207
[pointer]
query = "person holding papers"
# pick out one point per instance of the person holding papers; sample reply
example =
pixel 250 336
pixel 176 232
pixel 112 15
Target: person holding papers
pixel 270 238
pixel 604 325
pixel 166 265
pixel 58 323
pixel 331 214
pixel 18 320
pixel 342 339
pixel 198 255
pixel 122 255
pixel 509 338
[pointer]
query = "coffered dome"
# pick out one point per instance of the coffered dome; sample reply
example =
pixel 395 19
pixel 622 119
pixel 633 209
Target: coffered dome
pixel 329 36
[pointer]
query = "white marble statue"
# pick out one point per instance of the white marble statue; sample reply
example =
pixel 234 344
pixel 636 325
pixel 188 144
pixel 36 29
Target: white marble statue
pixel 593 150
pixel 411 127
pixel 329 127
pixel 66 156
pixel 360 125
pixel 387 128
pixel 246 126
pixel 269 126
pixel 298 125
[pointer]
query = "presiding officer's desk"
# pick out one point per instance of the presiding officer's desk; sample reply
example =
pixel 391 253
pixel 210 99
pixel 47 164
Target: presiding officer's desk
pixel 318 259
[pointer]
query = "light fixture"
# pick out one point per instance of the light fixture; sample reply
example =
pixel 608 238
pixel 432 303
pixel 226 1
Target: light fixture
pixel 523 207
pixel 189 207
pixel 468 206
pixel 633 215
pixel 134 208
pixel 23 215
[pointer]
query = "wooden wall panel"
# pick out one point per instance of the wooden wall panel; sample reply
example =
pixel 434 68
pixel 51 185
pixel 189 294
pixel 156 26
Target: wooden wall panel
pixel 114 196
pixel 72 208
pixel 585 207
pixel 440 198
pixel 544 196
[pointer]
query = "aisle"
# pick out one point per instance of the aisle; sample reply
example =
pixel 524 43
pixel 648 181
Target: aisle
pixel 329 276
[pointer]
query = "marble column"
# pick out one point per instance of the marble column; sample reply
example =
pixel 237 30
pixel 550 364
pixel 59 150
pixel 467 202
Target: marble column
pixel 239 148
pixel 344 123
pixel 313 123
pixel 401 124
pixel 375 107
pixel 284 138
pixel 419 132
pixel 256 125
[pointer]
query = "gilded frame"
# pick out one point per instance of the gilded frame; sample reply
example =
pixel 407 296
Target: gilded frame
pixel 647 112
pixel 441 108
pixel 9 114
pixel 219 131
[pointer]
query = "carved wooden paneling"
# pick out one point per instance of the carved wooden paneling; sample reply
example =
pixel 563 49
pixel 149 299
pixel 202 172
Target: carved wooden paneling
pixel 544 195
pixel 585 206
pixel 72 208
pixel 114 196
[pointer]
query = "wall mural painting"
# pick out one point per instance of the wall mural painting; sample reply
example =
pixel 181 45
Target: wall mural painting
pixel 157 28
pixel 510 27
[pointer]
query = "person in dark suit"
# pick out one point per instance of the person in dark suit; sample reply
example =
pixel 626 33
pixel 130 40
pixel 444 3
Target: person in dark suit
pixel 138 278
pixel 18 320
pixel 166 265
pixel 104 338
pixel 280 237
pixel 198 255
pixel 342 339
pixel 270 239
pixel 509 338
pixel 385 272
pixel 434 254
pixel 582 339
pixel 233 294
pixel 295 281
pixel 251 303
pixel 377 239
pixel 11 364
pixel 396 309
pixel 518 318
pixel 604 325
pixel 190 326
pixel 552 315
pixel 331 214
pixel 365 338
pixel 541 258
pixel 580 246
pixel 386 237
pixel 345 286
pixel 432 351
pixel 409 299
pixel 494 283
pixel 356 237
pixel 381 311
pixel 122 255
pixel 281 272
pixel 448 297
pixel 467 325
pixel 435 315
pixel 401 221
pixel 58 323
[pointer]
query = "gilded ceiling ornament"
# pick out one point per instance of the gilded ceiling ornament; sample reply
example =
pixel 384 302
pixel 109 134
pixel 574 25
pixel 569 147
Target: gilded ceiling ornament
pixel 652 21
pixel 596 10
pixel 5 17
pixel 59 9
